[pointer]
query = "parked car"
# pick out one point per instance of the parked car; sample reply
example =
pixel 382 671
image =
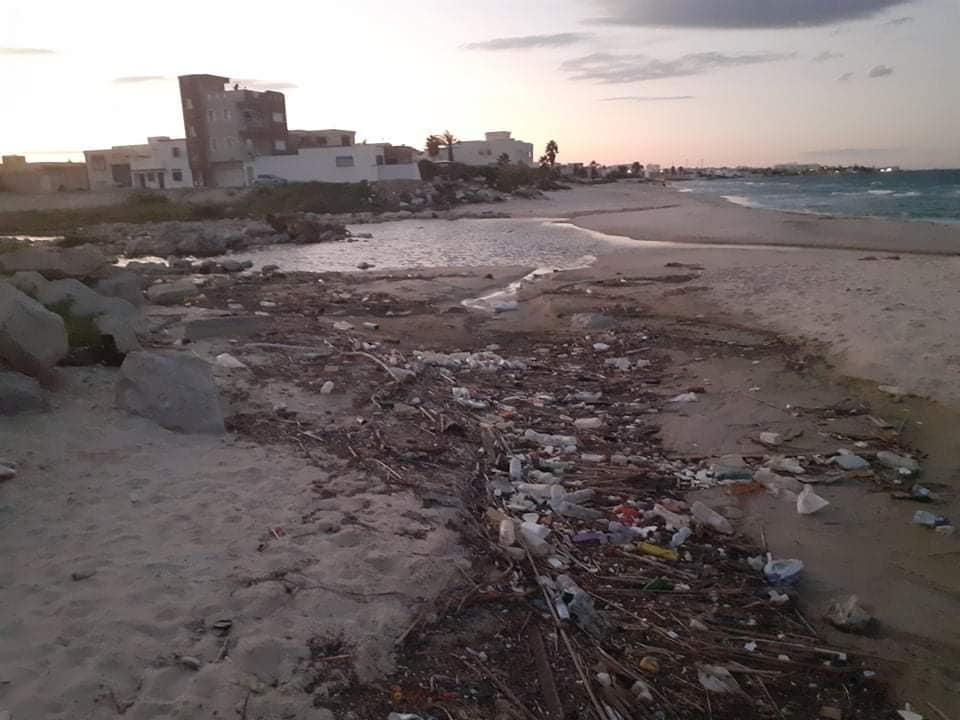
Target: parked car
pixel 269 180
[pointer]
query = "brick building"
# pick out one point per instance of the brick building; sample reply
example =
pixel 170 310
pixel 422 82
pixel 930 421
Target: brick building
pixel 228 125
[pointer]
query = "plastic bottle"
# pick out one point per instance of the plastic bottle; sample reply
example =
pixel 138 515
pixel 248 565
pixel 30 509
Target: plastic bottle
pixel 534 536
pixel 680 537
pixel 508 532
pixel 516 469
pixel 711 518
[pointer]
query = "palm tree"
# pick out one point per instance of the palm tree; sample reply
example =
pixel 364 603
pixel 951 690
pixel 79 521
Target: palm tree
pixel 636 168
pixel 594 172
pixel 552 151
pixel 449 139
pixel 433 145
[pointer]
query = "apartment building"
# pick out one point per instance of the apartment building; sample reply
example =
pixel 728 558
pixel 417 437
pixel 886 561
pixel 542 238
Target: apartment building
pixel 227 125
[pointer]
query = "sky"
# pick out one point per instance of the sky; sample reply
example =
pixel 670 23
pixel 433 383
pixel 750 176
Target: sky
pixel 675 82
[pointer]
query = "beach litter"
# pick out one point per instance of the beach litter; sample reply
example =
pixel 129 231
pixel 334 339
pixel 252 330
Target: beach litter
pixel 847 614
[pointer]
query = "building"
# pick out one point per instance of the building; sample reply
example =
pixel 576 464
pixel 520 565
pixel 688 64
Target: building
pixel 651 170
pixel 110 168
pixel 489 151
pixel 160 164
pixel 227 126
pixel 345 162
pixel 321 138
pixel 17 175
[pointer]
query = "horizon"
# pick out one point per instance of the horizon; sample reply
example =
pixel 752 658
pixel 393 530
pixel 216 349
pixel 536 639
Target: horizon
pixel 685 82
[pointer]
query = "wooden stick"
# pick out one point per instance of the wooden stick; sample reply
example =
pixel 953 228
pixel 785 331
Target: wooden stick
pixel 548 683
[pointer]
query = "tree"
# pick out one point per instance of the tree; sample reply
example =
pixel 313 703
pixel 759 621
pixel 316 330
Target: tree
pixel 433 145
pixel 594 172
pixel 636 168
pixel 504 159
pixel 449 139
pixel 551 153
pixel 544 161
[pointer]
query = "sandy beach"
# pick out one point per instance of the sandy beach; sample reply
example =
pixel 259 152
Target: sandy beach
pixel 324 548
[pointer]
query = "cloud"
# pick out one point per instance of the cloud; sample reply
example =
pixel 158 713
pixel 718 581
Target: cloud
pixel 825 56
pixel 647 98
pixel 897 21
pixel 880 71
pixel 251 84
pixel 745 14
pixel 26 51
pixel 132 79
pixel 624 68
pixel 845 77
pixel 528 42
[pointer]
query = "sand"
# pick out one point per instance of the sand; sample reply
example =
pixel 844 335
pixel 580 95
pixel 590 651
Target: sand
pixel 168 533
pixel 890 321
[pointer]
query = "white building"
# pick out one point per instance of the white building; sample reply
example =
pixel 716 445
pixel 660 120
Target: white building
pixel 651 170
pixel 334 164
pixel 160 164
pixel 488 151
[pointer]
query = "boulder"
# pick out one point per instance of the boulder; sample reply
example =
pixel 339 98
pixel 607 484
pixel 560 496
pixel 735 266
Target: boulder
pixel 173 293
pixel 151 245
pixel 123 284
pixel 55 262
pixel 202 244
pixel 233 327
pixel 110 316
pixel 231 266
pixel 32 339
pixel 174 389
pixel 19 393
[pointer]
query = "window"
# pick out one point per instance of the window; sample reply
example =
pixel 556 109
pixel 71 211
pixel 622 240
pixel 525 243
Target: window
pixel 191 131
pixel 280 145
pixel 344 160
pixel 177 175
pixel 228 114
pixel 151 177
pixel 322 140
pixel 379 159
pixel 278 117
pixel 345 140
pixel 188 103
pixel 211 115
pixel 175 151
pixel 213 143
pixel 229 142
pixel 98 162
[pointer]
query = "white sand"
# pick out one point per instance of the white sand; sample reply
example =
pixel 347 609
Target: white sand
pixel 170 526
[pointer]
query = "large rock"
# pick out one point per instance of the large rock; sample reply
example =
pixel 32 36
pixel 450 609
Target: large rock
pixel 19 393
pixel 123 284
pixel 75 302
pixel 146 245
pixel 32 339
pixel 203 244
pixel 234 327
pixel 55 262
pixel 172 293
pixel 175 390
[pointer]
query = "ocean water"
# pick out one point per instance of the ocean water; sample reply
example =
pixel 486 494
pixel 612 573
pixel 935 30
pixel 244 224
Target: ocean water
pixel 905 195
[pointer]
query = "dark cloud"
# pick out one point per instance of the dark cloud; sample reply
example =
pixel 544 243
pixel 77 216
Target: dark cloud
pixel 528 42
pixel 647 98
pixel 251 84
pixel 625 68
pixel 132 79
pixel 897 21
pixel 881 71
pixel 825 56
pixel 26 51
pixel 739 13
pixel 845 77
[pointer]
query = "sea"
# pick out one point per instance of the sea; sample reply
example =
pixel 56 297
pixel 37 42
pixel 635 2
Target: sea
pixel 927 195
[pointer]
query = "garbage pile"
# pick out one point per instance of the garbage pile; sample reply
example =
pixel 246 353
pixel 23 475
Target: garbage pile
pixel 599 590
